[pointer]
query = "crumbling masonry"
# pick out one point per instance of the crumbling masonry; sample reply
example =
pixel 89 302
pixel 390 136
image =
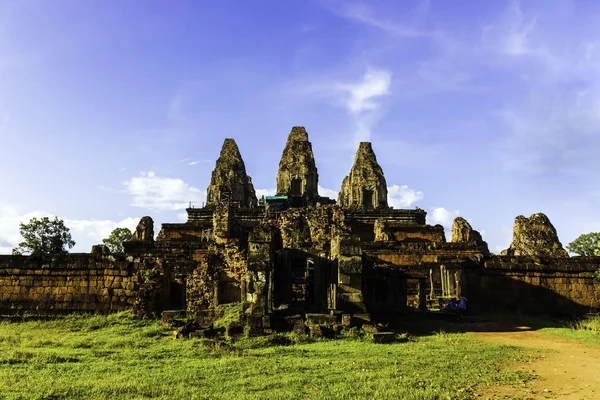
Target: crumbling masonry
pixel 299 252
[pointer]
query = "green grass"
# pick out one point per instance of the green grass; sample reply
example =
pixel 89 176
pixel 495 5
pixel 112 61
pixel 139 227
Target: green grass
pixel 231 314
pixel 585 329
pixel 107 357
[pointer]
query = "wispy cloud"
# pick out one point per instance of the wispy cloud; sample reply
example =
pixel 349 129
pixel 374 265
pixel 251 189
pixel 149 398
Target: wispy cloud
pixel 363 14
pixel 554 125
pixel 362 95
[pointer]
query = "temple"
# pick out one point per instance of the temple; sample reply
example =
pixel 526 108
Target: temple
pixel 300 253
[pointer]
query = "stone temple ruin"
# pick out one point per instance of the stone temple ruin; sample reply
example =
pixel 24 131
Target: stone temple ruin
pixel 300 253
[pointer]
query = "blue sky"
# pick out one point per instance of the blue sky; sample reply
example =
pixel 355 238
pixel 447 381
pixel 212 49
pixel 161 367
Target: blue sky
pixel 113 110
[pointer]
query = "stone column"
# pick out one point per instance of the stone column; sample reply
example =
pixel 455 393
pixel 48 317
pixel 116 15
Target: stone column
pixel 443 280
pixel 451 283
pixel 423 294
pixel 350 269
pixel 259 274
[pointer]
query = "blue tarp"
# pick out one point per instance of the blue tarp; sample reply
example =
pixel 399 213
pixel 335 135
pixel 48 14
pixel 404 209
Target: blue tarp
pixel 269 198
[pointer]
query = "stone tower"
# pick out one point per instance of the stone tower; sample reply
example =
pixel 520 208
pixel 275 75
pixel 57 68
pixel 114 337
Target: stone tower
pixel 229 182
pixel 364 188
pixel 535 236
pixel 297 177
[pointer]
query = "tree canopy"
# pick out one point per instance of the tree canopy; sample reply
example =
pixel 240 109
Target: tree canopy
pixel 587 244
pixel 44 236
pixel 115 240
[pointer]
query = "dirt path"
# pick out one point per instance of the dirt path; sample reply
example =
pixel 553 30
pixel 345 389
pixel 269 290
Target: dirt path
pixel 568 369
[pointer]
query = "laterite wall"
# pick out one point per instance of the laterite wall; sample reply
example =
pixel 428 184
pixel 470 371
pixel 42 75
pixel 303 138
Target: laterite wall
pixel 67 283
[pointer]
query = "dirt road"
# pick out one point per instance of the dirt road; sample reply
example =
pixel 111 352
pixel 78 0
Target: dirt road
pixel 568 369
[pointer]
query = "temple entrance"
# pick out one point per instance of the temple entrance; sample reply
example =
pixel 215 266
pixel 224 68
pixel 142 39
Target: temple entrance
pixel 303 275
pixel 296 187
pixel 176 298
pixel 368 199
pixel 297 282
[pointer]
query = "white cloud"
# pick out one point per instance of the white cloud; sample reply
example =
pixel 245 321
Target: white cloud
pixel 89 232
pixel 193 162
pixel 265 192
pixel 85 232
pixel 360 95
pixel 442 216
pixel 182 217
pixel 161 194
pixel 402 196
pixel 324 192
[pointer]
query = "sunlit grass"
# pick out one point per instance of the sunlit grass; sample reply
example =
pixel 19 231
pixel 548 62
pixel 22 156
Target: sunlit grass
pixel 586 329
pixel 114 356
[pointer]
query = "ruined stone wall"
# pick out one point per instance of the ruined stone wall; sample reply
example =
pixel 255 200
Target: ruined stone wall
pixel 535 284
pixel 69 283
pixel 384 231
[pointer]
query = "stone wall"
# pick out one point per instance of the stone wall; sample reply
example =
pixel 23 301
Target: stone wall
pixel 68 283
pixel 535 284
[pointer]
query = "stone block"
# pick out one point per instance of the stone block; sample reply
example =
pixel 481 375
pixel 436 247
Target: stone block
pixel 343 279
pixel 320 319
pixel 294 319
pixel 266 322
pixel 350 265
pixel 233 329
pixel 299 329
pixel 346 320
pixel 383 337
pixel 316 331
pixel 352 297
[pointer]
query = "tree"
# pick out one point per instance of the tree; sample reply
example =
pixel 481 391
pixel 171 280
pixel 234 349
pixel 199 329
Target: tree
pixel 115 240
pixel 587 244
pixel 44 236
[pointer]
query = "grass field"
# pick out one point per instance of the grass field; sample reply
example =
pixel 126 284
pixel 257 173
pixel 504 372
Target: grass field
pixel 107 357
pixel 586 329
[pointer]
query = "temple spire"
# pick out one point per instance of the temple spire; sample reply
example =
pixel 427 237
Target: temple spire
pixel 365 187
pixel 297 177
pixel 229 181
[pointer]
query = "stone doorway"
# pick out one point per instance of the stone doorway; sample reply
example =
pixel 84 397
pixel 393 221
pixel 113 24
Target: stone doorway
pixel 176 299
pixel 368 199
pixel 296 281
pixel 296 187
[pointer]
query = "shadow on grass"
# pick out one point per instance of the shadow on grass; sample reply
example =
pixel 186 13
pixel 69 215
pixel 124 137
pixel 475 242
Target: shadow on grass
pixel 432 322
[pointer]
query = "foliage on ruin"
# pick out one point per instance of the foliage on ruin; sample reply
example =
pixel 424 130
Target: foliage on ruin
pixel 232 313
pixel 44 236
pixel 587 244
pixel 115 240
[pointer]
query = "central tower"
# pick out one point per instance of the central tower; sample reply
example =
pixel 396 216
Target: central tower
pixel 297 177
pixel 365 188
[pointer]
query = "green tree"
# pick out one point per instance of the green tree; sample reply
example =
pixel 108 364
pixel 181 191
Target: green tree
pixel 44 236
pixel 587 244
pixel 115 240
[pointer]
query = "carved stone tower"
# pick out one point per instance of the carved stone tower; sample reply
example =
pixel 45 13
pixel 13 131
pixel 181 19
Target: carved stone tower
pixel 364 188
pixel 229 182
pixel 297 177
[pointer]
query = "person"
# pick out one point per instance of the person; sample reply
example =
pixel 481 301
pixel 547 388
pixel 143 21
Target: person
pixel 452 306
pixel 462 305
